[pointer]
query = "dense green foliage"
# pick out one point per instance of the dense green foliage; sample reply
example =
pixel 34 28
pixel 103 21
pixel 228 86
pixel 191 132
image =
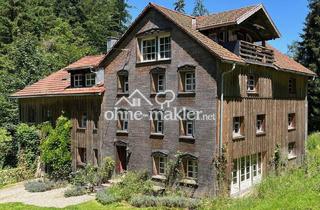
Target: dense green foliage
pixel 9 176
pixel 38 37
pixel 179 6
pixel 6 147
pixel 56 150
pixel 308 53
pixel 199 9
pixel 75 191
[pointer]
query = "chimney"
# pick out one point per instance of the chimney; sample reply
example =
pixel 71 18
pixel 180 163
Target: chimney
pixel 110 42
pixel 194 23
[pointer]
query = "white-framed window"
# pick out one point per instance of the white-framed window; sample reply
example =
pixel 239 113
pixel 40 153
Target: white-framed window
pixel 192 169
pixel 164 47
pixel 83 122
pixel 187 121
pixel 291 150
pixel 149 49
pixel 162 165
pixel 123 82
pixel 292 86
pixel 291 121
pixel 251 83
pixel 237 127
pixel 159 126
pixel 260 126
pixel 190 82
pixel 189 128
pixel 157 122
pixel 77 80
pixel 161 83
pixel 90 79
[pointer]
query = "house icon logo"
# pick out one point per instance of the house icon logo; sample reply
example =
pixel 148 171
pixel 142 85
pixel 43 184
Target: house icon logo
pixel 134 100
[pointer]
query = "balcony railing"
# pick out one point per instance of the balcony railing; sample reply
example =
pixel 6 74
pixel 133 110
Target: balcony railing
pixel 251 52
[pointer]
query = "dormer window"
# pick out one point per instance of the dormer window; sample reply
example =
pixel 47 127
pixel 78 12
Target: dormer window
pixel 90 79
pixel 155 48
pixel 77 80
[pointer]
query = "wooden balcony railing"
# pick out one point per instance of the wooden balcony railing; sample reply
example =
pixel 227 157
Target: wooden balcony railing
pixel 251 52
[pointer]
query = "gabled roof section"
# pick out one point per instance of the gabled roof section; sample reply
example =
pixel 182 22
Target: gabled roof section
pixel 90 61
pixel 58 83
pixel 184 22
pixel 235 17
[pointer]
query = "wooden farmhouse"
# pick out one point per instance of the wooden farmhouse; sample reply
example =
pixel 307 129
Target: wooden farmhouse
pixel 219 64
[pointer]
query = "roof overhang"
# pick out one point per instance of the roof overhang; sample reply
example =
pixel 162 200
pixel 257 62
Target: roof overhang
pixel 56 95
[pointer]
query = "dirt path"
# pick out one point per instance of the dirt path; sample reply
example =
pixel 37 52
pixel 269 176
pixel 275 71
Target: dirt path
pixel 52 198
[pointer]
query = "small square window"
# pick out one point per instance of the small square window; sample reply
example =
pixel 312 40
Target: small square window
pixel 291 121
pixel 90 79
pixel 77 80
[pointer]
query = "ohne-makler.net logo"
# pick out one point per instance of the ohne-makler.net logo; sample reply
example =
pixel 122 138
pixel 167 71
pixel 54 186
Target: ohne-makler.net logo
pixel 167 112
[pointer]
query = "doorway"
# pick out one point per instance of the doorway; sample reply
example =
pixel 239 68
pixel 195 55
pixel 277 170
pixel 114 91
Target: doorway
pixel 121 164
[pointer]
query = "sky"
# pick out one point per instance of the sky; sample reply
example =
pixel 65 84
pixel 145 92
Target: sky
pixel 288 15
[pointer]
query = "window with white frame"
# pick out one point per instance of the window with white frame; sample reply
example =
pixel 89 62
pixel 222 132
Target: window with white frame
pixel 251 84
pixel 192 169
pixel 149 49
pixel 187 123
pixel 156 48
pixel 159 164
pixel 77 80
pixel 164 47
pixel 190 82
pixel 162 165
pixel 291 121
pixel 260 126
pixel 123 81
pixel 238 127
pixel 90 79
pixel 83 122
pixel 157 122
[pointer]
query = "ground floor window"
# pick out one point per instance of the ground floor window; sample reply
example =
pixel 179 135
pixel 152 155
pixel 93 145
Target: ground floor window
pixel 246 172
pixel 159 165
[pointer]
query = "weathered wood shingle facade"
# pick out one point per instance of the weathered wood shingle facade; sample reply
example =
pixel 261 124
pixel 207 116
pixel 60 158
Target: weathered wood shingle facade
pixel 202 61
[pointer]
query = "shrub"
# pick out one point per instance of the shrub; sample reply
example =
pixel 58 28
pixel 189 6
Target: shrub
pixel 56 151
pixel 39 186
pixel 9 176
pixel 75 191
pixel 88 176
pixel 106 169
pixel 28 139
pixel 166 201
pixel 6 147
pixel 105 197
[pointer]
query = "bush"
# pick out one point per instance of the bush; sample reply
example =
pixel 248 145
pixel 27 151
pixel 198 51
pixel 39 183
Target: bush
pixel 88 176
pixel 28 139
pixel 9 176
pixel 56 150
pixel 167 201
pixel 107 169
pixel 75 191
pixel 105 197
pixel 6 147
pixel 39 186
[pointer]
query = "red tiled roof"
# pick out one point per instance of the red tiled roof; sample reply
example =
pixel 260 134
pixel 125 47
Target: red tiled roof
pixel 223 18
pixel 58 83
pixel 87 61
pixel 284 62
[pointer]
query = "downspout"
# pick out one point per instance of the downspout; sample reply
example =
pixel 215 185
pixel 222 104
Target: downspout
pixel 221 106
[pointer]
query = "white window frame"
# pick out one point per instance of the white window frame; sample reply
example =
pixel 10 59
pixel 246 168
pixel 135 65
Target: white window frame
pixel 159 124
pixel 163 83
pixel 260 122
pixel 90 79
pixel 77 80
pixel 193 165
pixel 142 49
pixel 165 51
pixel 189 124
pixel 190 82
pixel 162 165
pixel 236 122
pixel 251 83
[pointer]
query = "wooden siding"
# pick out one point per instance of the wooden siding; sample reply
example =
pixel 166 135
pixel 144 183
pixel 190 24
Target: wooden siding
pixel 72 107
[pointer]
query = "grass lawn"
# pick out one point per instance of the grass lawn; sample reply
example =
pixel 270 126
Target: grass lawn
pixel 92 205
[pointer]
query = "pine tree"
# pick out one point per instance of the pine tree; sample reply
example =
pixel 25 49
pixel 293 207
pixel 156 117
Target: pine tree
pixel 179 6
pixel 199 9
pixel 308 53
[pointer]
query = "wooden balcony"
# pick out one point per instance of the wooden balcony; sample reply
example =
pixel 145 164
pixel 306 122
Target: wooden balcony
pixel 251 52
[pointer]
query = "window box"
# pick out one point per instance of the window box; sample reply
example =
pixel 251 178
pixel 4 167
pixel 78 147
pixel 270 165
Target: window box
pixel 238 137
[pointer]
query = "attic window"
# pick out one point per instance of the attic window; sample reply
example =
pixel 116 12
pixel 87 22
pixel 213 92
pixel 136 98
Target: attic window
pixel 90 79
pixel 77 80
pixel 155 48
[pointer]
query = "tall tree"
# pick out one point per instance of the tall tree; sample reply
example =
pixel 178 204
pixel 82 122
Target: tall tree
pixel 308 53
pixel 179 6
pixel 199 9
